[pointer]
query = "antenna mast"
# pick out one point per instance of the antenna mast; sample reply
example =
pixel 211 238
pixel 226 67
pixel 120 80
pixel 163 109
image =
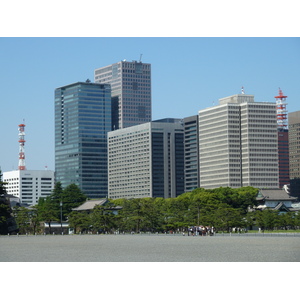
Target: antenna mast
pixel 281 110
pixel 21 147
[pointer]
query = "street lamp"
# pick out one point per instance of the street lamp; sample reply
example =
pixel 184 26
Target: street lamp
pixel 61 229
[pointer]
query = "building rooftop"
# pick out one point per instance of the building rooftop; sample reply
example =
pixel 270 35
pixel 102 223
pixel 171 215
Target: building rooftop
pixel 274 194
pixel 90 204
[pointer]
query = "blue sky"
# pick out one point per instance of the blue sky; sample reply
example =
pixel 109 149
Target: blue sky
pixel 188 74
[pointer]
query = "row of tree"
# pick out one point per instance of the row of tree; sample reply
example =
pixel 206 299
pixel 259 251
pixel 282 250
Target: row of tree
pixel 222 208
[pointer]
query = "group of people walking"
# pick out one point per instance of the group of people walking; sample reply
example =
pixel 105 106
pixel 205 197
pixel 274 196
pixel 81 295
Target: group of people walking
pixel 201 230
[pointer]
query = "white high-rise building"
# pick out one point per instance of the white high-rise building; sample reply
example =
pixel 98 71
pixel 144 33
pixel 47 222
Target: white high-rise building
pixel 29 186
pixel 146 160
pixel 238 144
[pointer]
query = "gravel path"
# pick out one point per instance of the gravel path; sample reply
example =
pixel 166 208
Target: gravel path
pixel 149 248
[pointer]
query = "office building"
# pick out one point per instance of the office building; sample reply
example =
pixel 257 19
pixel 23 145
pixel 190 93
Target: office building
pixel 146 160
pixel 191 153
pixel 294 144
pixel 130 90
pixel 82 120
pixel 238 144
pixel 28 185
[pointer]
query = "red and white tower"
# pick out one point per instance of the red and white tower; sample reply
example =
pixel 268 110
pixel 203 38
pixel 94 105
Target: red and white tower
pixel 281 110
pixel 21 147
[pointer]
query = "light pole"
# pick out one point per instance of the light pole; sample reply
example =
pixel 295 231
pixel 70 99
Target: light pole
pixel 61 229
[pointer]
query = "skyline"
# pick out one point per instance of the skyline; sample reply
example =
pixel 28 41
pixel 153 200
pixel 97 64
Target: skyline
pixel 194 73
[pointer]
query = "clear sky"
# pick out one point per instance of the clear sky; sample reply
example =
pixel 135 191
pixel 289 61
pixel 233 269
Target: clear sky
pixel 188 74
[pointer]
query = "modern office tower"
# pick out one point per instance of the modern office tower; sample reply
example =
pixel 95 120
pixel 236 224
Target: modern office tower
pixel 82 120
pixel 29 186
pixel 283 139
pixel 294 144
pixel 238 143
pixel 146 160
pixel 191 153
pixel 130 90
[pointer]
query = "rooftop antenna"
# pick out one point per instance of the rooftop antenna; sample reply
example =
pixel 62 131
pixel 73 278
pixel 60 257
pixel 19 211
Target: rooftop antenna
pixel 243 92
pixel 141 57
pixel 22 146
pixel 281 110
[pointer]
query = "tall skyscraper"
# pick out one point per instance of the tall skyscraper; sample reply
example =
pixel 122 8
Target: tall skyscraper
pixel 130 90
pixel 146 160
pixel 238 143
pixel 294 144
pixel 82 120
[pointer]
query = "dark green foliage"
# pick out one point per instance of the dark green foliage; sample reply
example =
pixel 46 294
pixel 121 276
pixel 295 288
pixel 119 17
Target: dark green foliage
pixel 71 197
pixel 222 208
pixel 80 221
pixel 7 222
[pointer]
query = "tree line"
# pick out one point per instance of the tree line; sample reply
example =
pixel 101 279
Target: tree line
pixel 223 208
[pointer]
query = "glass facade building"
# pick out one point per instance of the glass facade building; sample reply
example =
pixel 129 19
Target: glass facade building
pixel 131 92
pixel 82 120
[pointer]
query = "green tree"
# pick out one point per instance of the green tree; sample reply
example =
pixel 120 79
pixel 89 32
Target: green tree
pixel 7 222
pixel 22 217
pixel 48 211
pixel 80 221
pixel 226 217
pixel 102 218
pixel 71 197
pixel 267 219
pixel 176 210
pixel 286 220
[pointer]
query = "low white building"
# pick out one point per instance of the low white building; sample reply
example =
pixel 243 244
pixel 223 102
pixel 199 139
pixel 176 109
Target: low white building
pixel 28 185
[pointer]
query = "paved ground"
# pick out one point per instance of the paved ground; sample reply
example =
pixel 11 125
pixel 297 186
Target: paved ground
pixel 149 248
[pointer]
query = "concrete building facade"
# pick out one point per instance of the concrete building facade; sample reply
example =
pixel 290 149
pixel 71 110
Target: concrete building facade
pixel 130 90
pixel 28 185
pixel 294 144
pixel 238 143
pixel 146 160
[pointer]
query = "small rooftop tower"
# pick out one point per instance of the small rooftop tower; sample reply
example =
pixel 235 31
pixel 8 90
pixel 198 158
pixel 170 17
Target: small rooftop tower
pixel 281 110
pixel 21 147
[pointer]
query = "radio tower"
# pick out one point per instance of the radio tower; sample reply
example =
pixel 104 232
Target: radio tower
pixel 281 110
pixel 21 147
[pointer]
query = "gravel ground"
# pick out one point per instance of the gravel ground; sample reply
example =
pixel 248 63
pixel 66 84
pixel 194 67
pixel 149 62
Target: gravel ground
pixel 149 248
